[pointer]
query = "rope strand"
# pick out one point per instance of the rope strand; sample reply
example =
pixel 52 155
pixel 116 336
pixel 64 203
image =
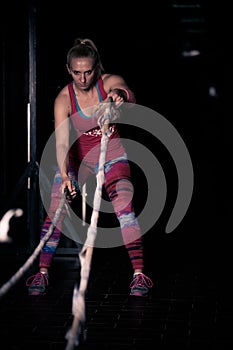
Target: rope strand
pixel 85 256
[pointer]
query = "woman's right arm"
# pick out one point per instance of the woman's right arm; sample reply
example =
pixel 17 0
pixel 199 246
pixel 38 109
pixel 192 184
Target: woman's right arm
pixel 61 116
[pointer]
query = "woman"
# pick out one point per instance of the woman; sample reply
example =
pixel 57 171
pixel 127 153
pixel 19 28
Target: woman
pixel 82 100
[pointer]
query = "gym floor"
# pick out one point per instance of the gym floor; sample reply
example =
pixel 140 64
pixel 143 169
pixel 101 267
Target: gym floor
pixel 189 306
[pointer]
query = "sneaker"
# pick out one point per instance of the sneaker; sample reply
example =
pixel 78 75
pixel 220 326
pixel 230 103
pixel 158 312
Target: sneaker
pixel 37 283
pixel 140 285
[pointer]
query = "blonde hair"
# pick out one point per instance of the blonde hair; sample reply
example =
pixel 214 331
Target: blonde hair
pixel 85 48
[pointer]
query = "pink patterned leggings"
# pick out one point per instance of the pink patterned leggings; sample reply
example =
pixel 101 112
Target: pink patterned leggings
pixel 120 191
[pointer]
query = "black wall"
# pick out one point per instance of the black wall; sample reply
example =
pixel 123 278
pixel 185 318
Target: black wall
pixel 145 45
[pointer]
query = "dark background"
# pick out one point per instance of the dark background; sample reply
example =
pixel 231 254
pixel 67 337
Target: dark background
pixel 144 44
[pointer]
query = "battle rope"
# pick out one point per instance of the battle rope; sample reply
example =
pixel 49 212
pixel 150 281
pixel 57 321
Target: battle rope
pixel 84 194
pixel 85 256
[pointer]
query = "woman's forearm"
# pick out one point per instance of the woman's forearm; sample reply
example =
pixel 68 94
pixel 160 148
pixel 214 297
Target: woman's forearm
pixel 62 159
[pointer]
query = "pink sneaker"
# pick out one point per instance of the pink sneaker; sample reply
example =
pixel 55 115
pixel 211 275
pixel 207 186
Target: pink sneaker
pixel 140 285
pixel 37 284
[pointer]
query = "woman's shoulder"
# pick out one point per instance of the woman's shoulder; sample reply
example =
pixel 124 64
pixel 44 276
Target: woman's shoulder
pixel 64 92
pixel 106 77
pixel 111 79
pixel 63 96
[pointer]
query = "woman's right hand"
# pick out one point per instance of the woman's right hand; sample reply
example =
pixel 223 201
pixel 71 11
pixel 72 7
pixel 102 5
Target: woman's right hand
pixel 68 188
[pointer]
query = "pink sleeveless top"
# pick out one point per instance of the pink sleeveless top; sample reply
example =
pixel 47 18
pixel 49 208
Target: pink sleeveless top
pixel 88 132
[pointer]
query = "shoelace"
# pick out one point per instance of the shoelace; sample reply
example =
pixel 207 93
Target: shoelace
pixel 141 280
pixel 36 279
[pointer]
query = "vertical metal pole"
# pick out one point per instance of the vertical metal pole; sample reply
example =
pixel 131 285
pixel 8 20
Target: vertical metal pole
pixel 32 180
pixel 3 123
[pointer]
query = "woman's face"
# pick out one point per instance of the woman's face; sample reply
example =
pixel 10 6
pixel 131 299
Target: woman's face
pixel 83 72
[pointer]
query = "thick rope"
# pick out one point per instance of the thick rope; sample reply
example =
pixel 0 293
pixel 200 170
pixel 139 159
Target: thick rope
pixel 84 206
pixel 12 281
pixel 85 256
pixel 4 223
